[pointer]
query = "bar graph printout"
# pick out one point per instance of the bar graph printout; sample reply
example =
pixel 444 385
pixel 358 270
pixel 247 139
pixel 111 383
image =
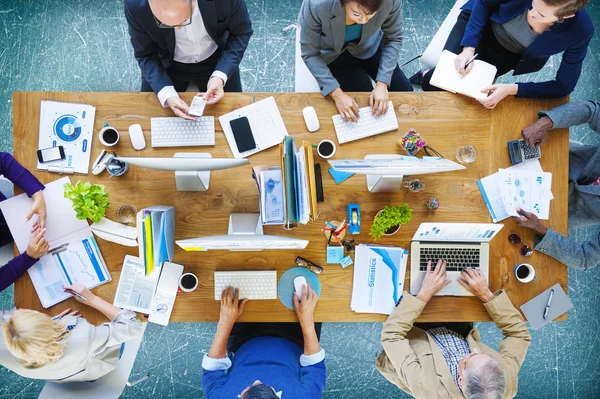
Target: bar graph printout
pixel 136 290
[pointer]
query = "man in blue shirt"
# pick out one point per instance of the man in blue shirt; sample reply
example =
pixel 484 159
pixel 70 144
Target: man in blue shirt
pixel 268 360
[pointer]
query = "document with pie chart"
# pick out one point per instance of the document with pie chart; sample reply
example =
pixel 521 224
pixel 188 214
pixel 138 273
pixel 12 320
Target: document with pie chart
pixel 72 126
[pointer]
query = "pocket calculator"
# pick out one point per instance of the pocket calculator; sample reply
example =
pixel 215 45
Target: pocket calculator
pixel 518 152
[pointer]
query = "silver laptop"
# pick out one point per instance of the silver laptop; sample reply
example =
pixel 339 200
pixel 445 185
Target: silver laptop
pixel 461 245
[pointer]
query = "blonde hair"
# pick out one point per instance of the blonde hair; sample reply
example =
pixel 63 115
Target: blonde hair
pixel 34 338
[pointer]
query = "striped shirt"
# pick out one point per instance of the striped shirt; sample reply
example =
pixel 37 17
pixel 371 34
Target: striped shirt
pixel 453 347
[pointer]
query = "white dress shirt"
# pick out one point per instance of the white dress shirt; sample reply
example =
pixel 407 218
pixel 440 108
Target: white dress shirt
pixel 193 44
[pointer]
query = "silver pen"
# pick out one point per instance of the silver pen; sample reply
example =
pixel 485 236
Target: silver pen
pixel 548 304
pixel 471 60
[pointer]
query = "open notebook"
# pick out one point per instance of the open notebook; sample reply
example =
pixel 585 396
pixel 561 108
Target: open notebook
pixel 448 78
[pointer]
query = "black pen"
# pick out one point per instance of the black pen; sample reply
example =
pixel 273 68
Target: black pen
pixel 548 303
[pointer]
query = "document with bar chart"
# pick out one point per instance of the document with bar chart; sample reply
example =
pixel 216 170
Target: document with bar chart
pixel 457 232
pixel 136 290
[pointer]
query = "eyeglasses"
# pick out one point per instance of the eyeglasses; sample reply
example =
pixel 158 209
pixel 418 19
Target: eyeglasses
pixel 184 23
pixel 514 238
pixel 313 267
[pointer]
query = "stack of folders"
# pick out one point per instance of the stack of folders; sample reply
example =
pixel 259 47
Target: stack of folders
pixel 156 239
pixel 287 193
pixel 379 273
pixel 524 185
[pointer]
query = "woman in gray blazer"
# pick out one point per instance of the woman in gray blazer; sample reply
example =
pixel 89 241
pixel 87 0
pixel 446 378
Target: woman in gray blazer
pixel 345 43
pixel 65 348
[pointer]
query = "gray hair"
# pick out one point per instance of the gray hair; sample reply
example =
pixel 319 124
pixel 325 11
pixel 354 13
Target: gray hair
pixel 485 382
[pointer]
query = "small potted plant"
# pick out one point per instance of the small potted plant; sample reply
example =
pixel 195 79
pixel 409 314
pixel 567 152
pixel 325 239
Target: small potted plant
pixel 90 201
pixel 389 219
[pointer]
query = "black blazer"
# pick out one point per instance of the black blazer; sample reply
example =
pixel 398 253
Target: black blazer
pixel 227 23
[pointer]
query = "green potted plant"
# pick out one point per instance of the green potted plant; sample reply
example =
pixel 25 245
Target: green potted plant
pixel 389 219
pixel 90 201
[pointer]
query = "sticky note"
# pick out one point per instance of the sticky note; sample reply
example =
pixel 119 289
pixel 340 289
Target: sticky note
pixel 334 254
pixel 347 261
pixel 339 176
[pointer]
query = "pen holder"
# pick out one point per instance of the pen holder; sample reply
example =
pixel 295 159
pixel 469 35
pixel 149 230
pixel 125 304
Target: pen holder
pixel 412 142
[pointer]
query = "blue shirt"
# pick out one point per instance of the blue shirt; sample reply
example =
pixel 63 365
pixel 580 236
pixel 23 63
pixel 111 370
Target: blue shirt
pixel 453 347
pixel 353 32
pixel 276 362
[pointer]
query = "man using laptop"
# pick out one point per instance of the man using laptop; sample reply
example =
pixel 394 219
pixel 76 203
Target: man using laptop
pixel 438 362
pixel 180 41
pixel 584 185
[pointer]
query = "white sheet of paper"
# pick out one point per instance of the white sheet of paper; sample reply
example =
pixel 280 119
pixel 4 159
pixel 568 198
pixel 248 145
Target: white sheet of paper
pixel 61 219
pixel 166 291
pixel 135 290
pixel 265 121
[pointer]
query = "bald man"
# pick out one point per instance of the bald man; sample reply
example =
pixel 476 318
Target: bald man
pixel 180 41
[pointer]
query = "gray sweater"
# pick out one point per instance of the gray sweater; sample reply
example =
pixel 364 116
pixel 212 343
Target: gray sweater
pixel 584 197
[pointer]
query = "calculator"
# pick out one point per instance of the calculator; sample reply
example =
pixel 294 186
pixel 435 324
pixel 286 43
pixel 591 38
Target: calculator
pixel 518 152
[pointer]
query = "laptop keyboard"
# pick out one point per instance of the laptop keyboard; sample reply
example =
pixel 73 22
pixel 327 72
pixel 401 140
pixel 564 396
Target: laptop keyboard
pixel 456 258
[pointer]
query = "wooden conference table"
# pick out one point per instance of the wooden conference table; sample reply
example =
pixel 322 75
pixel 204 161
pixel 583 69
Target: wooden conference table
pixel 444 120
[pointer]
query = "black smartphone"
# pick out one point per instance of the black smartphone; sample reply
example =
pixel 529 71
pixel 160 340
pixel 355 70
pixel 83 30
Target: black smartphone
pixel 51 154
pixel 244 139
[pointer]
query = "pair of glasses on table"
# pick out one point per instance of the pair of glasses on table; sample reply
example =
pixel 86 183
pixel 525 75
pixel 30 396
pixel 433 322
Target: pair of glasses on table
pixel 515 239
pixel 313 267
pixel 184 23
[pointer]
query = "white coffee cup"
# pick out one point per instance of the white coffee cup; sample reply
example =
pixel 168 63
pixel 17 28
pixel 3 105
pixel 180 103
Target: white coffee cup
pixel 524 272
pixel 326 149
pixel 107 135
pixel 188 277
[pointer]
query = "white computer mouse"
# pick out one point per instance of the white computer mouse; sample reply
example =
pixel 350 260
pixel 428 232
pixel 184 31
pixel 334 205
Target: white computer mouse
pixel 137 137
pixel 298 283
pixel 311 119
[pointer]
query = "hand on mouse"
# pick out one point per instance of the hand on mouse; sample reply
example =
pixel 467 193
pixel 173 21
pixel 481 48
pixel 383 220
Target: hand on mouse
pixel 305 308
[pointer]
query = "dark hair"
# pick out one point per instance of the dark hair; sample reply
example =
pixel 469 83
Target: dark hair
pixel 260 391
pixel 370 6
pixel 566 7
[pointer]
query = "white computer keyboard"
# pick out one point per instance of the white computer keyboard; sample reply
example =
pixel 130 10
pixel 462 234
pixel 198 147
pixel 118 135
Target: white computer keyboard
pixel 178 132
pixel 367 125
pixel 259 284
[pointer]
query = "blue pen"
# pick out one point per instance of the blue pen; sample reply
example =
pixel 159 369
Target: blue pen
pixel 330 225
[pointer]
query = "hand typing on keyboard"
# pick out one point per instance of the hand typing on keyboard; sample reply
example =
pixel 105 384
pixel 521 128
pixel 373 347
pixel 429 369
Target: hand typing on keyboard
pixel 474 281
pixel 433 281
pixel 346 105
pixel 378 100
pixel 231 306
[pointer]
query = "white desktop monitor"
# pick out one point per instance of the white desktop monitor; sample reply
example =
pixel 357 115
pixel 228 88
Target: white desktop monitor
pixel 192 170
pixel 385 171
pixel 245 234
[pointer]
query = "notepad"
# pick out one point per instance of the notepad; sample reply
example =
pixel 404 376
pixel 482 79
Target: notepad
pixel 446 76
pixel 534 309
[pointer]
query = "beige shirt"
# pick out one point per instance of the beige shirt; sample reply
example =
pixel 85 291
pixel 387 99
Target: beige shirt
pixel 412 361
pixel 90 353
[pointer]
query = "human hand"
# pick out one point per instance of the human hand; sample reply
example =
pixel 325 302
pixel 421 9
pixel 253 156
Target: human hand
pixel 529 220
pixel 535 134
pixel 214 90
pixel 231 307
pixel 460 62
pixel 37 208
pixel 346 106
pixel 67 312
pixel 38 245
pixel 305 309
pixel 474 281
pixel 179 108
pixel 378 100
pixel 496 93
pixel 434 281
pixel 82 291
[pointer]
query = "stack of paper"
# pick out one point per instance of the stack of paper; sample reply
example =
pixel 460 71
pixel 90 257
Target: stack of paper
pixel 524 186
pixel 378 278
pixel 155 235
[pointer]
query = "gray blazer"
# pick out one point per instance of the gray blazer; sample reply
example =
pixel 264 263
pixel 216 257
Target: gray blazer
pixel 323 28
pixel 584 197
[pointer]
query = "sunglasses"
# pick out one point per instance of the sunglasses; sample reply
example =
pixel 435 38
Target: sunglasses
pixel 313 267
pixel 514 239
